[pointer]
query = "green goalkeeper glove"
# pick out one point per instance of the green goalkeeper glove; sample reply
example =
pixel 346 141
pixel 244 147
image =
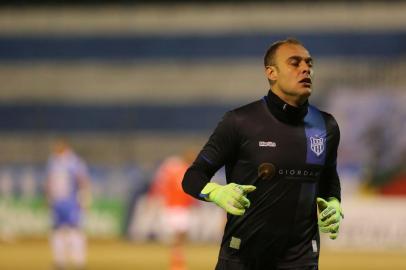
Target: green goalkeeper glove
pixel 330 215
pixel 230 197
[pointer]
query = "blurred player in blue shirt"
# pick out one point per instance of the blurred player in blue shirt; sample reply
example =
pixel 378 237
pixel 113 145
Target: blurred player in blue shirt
pixel 68 195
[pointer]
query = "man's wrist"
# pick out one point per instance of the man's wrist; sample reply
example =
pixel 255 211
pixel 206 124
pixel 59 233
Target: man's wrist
pixel 208 188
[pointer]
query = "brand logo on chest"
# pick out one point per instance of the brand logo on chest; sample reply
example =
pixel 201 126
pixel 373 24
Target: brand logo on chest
pixel 299 172
pixel 266 144
pixel 317 145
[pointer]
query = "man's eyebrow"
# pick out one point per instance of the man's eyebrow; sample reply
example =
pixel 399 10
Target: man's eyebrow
pixel 299 58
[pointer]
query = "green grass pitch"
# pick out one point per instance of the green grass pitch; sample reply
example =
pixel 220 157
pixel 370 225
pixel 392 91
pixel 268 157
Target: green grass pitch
pixel 122 255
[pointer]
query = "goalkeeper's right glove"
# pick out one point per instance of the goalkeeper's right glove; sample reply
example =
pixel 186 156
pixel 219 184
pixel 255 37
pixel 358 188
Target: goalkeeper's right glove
pixel 330 216
pixel 230 197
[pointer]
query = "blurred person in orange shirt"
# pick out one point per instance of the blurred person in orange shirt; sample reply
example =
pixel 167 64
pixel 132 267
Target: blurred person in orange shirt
pixel 167 188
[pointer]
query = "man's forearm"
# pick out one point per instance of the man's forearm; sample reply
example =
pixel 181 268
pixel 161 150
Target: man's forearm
pixel 194 181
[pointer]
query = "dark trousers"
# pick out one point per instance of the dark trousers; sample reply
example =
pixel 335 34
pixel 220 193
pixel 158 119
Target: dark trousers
pixel 231 265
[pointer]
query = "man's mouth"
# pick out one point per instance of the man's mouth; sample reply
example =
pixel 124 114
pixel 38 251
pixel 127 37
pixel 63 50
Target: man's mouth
pixel 306 81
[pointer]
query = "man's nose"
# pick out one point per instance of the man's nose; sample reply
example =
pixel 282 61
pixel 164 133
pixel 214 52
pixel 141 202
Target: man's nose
pixel 306 69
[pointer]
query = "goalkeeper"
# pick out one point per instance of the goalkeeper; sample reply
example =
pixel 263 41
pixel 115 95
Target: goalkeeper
pixel 274 222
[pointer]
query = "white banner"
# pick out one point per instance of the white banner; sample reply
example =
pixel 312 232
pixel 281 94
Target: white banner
pixel 371 223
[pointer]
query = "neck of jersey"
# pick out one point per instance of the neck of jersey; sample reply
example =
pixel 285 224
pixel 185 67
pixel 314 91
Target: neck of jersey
pixel 285 112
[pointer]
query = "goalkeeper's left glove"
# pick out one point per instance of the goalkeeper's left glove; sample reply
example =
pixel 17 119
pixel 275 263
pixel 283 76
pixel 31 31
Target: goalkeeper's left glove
pixel 330 215
pixel 230 197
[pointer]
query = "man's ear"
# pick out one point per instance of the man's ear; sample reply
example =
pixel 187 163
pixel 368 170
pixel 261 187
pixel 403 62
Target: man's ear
pixel 271 73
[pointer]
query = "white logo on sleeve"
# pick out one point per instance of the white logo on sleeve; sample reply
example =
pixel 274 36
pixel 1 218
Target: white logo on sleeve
pixel 266 144
pixel 314 246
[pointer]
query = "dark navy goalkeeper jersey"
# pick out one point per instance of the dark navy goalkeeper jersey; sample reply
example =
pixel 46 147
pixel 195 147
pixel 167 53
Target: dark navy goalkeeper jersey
pixel 280 227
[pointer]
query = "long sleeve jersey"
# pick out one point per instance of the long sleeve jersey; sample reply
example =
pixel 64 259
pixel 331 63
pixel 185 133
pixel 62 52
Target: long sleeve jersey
pixel 281 223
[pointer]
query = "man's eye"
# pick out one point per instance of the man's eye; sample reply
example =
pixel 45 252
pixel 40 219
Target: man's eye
pixel 294 63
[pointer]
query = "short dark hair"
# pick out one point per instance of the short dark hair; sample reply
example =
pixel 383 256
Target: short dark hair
pixel 269 58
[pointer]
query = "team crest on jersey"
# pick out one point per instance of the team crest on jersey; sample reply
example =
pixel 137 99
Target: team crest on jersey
pixel 317 145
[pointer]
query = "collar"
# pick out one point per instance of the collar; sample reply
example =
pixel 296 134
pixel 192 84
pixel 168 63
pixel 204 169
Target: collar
pixel 285 112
